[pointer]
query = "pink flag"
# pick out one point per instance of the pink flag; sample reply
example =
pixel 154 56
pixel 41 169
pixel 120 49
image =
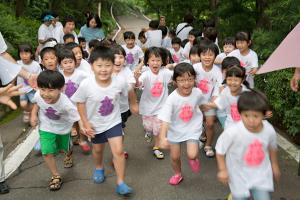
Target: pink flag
pixel 287 54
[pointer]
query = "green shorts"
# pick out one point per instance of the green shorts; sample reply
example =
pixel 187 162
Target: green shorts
pixel 52 143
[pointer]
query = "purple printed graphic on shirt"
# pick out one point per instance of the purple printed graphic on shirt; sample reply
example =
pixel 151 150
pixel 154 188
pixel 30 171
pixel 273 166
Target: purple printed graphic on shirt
pixel 70 88
pixel 129 58
pixel 106 107
pixel 50 113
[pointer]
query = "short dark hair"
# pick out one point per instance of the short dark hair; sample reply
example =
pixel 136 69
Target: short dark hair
pixel 229 62
pixel 189 18
pixel 97 19
pixel 81 39
pixel 152 51
pixel 25 47
pixel 47 50
pixel 176 40
pixel 208 45
pixel 229 40
pixel 209 23
pixel 118 49
pixel 253 100
pixel 68 19
pixel 210 33
pixel 243 36
pixel 165 56
pixel 236 71
pixel 50 79
pixel 164 30
pixel 154 24
pixel 94 43
pixel 182 68
pixel 65 53
pixel 103 53
pixel 141 34
pixel 196 33
pixel 128 35
pixel 68 35
pixel 72 45
pixel 194 50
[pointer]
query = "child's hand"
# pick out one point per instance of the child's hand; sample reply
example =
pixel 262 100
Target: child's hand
pixel 223 176
pixel 33 120
pixel 269 114
pixel 33 81
pixel 88 130
pixel 253 71
pixel 163 143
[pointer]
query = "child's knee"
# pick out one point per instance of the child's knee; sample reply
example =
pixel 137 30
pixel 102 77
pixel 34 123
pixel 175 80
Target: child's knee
pixel 23 104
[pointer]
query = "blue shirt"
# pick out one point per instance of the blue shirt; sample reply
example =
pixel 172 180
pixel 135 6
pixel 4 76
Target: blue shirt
pixel 91 33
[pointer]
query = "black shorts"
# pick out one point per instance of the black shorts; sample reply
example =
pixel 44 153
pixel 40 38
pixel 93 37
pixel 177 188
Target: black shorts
pixel 125 116
pixel 103 137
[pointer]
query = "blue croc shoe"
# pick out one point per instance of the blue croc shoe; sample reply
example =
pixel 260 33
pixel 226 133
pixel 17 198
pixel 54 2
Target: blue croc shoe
pixel 98 176
pixel 123 189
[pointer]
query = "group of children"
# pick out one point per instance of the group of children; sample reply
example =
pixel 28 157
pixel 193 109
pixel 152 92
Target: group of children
pixel 95 97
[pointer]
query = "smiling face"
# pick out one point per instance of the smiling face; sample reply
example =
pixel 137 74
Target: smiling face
pixel 154 63
pixel 92 23
pixel 207 58
pixel 130 43
pixel 234 84
pixel 243 45
pixel 78 55
pixel 50 61
pixel 25 57
pixel 185 84
pixel 49 95
pixel 69 27
pixel 252 120
pixel 119 62
pixel 228 48
pixel 68 66
pixel 103 70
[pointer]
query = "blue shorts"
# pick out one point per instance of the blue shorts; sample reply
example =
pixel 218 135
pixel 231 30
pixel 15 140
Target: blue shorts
pixel 125 116
pixel 103 137
pixel 28 96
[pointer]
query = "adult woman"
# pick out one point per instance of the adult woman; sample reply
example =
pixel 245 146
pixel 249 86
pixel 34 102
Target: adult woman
pixel 92 29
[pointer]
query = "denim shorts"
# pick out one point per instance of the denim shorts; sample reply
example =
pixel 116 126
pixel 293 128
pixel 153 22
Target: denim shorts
pixel 28 96
pixel 103 137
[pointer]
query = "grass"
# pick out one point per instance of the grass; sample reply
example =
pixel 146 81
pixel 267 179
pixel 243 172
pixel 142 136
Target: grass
pixel 10 116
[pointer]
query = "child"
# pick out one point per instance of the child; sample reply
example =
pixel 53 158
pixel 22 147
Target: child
pixel 134 53
pixel 26 100
pixel 73 78
pixel 155 92
pixel 49 58
pixel 81 64
pixel 82 44
pixel 142 40
pixel 166 40
pixel 176 50
pixel 98 103
pixel 227 100
pixel 153 35
pixel 68 38
pixel 56 115
pixel 247 56
pixel 193 34
pixel 182 120
pixel 209 80
pixel 228 47
pixel 93 44
pixel 250 149
pixel 194 56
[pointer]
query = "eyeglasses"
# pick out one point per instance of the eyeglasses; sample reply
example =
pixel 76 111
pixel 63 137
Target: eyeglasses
pixel 189 80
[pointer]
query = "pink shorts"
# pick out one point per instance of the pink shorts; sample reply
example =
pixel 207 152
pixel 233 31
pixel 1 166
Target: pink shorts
pixel 151 124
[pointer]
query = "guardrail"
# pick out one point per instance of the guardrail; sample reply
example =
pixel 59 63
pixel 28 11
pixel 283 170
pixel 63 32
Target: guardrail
pixel 119 27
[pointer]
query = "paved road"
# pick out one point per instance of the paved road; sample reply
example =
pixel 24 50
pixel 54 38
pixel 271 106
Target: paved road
pixel 145 174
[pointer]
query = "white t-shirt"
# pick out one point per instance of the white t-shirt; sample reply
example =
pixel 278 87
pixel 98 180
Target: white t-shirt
pixel 154 38
pixel 56 118
pixel 155 91
pixel 3 46
pixel 184 33
pixel 208 82
pixel 247 157
pixel 102 103
pixel 220 57
pixel 225 101
pixel 166 42
pixel 183 115
pixel 187 49
pixel 72 82
pixel 133 56
pixel 125 75
pixel 33 68
pixel 59 35
pixel 45 32
pixel 86 67
pixel 248 61
pixel 177 56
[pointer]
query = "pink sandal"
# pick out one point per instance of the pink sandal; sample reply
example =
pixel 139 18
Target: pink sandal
pixel 175 179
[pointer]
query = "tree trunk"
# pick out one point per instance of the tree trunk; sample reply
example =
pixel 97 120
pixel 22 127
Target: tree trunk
pixel 20 5
pixel 261 20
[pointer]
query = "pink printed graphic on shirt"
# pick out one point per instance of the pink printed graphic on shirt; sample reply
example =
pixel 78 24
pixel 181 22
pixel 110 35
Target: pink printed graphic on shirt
pixel 186 113
pixel 235 115
pixel 175 58
pixel 203 86
pixel 157 89
pixel 242 64
pixel 70 88
pixel 106 107
pixel 51 114
pixel 129 58
pixel 255 154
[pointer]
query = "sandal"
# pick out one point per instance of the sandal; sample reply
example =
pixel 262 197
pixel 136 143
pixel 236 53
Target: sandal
pixel 157 153
pixel 203 138
pixel 4 188
pixel 68 161
pixel 98 176
pixel 175 179
pixel 85 147
pixel 123 189
pixel 209 151
pixel 55 183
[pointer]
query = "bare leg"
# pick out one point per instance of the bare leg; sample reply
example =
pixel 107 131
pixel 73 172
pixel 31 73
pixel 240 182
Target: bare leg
pixel 209 129
pixel 98 150
pixel 175 154
pixel 116 146
pixel 50 161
